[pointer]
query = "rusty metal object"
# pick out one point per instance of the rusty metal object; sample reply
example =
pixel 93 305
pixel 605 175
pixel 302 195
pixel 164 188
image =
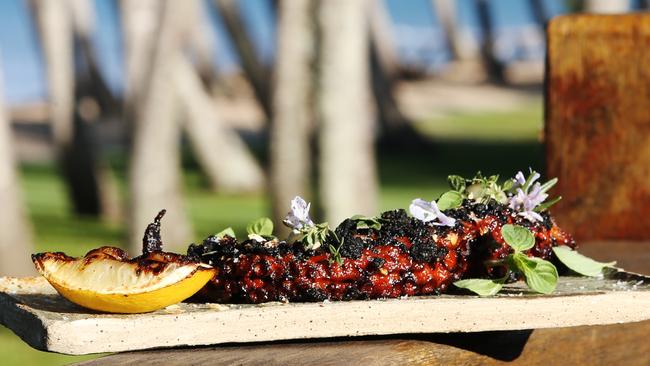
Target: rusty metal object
pixel 598 124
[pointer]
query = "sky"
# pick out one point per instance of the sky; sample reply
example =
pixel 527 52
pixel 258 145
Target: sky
pixel 419 39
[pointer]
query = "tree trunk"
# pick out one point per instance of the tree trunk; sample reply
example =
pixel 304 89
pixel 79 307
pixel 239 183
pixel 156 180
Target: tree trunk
pixel 64 29
pixel 384 69
pixel 16 235
pixel 347 165
pixel 293 84
pixel 255 72
pixel 494 68
pixel 446 14
pixel 381 36
pixel 222 154
pixel 607 6
pixel 139 24
pixel 201 42
pixel 155 172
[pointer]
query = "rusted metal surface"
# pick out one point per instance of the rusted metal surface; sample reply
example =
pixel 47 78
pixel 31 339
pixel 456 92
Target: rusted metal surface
pixel 598 124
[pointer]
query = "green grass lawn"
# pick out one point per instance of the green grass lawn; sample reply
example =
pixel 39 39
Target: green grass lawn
pixel 494 143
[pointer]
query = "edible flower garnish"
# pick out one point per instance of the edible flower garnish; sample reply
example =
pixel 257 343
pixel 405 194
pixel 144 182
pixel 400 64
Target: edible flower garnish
pixel 429 211
pixel 522 194
pixel 529 196
pixel 298 218
pixel 311 235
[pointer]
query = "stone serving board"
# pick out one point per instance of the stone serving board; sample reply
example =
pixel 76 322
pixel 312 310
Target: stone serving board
pixel 33 310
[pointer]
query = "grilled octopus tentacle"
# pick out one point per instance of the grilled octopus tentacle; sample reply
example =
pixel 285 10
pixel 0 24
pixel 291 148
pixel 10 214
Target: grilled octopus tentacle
pixel 404 257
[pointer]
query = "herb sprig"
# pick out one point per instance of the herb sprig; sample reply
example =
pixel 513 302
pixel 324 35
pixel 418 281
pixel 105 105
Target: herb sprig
pixel 540 275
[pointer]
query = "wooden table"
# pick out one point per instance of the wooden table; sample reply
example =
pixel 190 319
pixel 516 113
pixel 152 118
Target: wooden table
pixel 612 344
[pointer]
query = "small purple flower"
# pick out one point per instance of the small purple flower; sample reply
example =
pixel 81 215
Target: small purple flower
pixel 298 218
pixel 527 198
pixel 429 211
pixel 520 179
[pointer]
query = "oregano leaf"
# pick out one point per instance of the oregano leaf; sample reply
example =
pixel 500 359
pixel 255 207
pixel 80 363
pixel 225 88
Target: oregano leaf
pixel 449 200
pixel 517 237
pixel 541 276
pixel 262 226
pixel 365 222
pixel 580 263
pixel 481 287
pixel 226 232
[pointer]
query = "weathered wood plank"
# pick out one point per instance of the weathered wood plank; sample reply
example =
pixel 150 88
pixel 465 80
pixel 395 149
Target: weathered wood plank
pixel 621 344
pixel 598 124
pixel 66 328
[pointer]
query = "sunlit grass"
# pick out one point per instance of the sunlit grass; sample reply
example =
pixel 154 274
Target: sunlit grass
pixel 521 125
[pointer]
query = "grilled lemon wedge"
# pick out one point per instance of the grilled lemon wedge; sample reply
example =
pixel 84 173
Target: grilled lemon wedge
pixel 106 280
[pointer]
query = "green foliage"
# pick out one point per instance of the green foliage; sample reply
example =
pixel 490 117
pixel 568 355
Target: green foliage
pixel 336 255
pixel 365 222
pixel 518 237
pixel 450 200
pixel 314 236
pixel 580 263
pixel 457 183
pixel 226 232
pixel 479 188
pixel 480 286
pixel 541 276
pixel 262 227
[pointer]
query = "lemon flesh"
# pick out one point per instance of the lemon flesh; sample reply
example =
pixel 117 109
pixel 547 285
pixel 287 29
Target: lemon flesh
pixel 116 286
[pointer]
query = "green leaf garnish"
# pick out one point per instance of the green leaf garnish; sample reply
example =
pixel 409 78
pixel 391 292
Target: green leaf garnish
pixel 517 237
pixel 548 185
pixel 541 276
pixel 226 232
pixel 481 287
pixel 579 263
pixel 262 227
pixel 449 200
pixel 547 204
pixel 336 256
pixel 365 222
pixel 457 183
pixel 314 236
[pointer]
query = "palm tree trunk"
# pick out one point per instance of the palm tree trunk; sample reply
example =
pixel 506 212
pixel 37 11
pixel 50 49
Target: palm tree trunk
pixel 290 153
pixel 155 174
pixel 16 235
pixel 347 165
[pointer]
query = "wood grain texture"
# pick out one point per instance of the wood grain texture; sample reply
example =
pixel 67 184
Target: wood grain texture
pixel 33 310
pixel 598 124
pixel 621 344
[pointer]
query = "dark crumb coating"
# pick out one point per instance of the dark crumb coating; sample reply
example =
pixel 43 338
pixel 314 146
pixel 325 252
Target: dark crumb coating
pixel 405 257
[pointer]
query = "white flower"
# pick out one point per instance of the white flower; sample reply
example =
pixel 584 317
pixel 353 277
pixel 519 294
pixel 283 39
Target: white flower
pixel 298 218
pixel 429 211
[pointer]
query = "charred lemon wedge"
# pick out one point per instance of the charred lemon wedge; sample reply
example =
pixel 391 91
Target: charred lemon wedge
pixel 106 280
